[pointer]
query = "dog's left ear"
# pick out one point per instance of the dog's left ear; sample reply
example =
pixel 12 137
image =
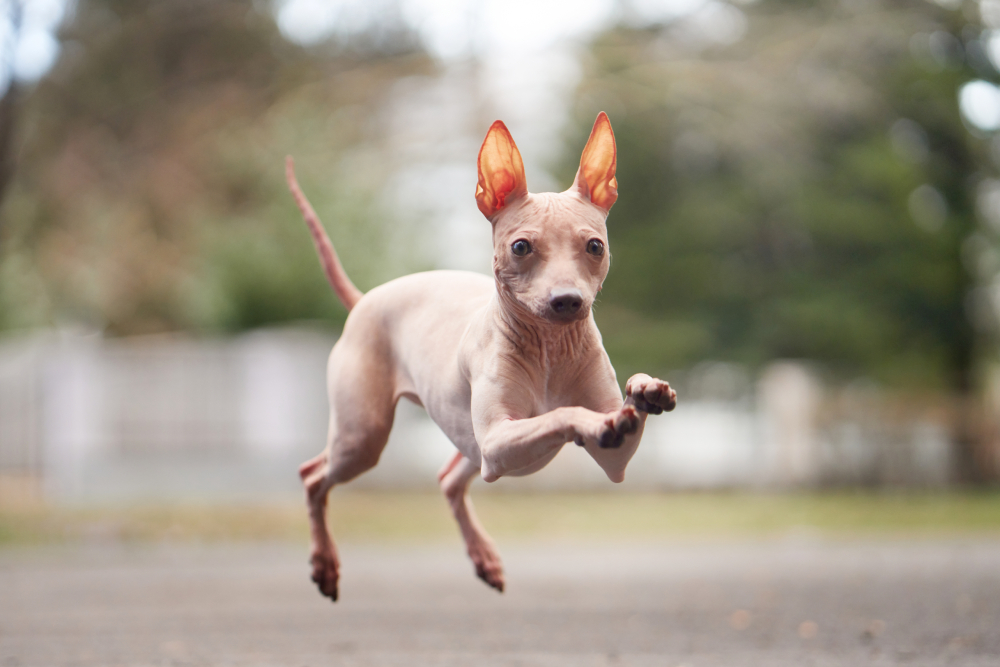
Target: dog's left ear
pixel 595 179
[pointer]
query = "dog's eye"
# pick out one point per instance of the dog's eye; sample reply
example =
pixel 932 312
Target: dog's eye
pixel 520 247
pixel 595 247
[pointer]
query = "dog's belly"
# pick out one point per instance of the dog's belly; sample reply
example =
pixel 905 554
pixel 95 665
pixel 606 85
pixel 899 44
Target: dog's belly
pixel 459 431
pixel 447 397
pixel 453 425
pixel 426 315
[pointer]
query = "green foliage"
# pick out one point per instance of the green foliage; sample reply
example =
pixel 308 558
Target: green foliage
pixel 781 198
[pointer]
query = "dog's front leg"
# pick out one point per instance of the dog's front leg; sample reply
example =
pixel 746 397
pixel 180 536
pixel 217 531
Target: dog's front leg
pixel 510 440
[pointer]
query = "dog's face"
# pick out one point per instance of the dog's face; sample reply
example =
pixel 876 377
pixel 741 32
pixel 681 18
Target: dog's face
pixel 550 251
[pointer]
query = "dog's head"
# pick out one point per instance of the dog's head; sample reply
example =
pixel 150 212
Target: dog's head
pixel 550 251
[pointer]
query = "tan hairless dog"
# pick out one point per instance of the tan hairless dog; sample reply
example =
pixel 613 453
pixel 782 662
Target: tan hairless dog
pixel 511 368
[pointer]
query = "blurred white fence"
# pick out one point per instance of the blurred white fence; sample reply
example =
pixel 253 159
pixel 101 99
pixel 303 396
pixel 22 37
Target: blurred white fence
pixel 84 418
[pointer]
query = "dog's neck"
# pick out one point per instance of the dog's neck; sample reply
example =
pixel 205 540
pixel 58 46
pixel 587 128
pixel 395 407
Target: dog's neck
pixel 536 340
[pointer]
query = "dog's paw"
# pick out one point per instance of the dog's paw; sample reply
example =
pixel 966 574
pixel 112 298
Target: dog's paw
pixel 616 426
pixel 650 395
pixel 488 566
pixel 325 573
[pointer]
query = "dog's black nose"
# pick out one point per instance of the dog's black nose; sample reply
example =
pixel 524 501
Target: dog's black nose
pixel 566 303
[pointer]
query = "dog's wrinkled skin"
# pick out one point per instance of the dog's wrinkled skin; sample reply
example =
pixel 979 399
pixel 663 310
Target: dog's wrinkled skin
pixel 511 369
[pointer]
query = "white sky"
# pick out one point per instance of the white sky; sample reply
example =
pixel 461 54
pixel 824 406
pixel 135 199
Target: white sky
pixel 459 28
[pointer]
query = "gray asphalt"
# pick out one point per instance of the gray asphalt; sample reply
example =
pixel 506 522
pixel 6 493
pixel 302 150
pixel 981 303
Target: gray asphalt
pixel 797 601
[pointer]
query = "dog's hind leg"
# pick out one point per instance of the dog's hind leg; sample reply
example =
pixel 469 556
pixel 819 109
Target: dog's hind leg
pixel 362 405
pixel 454 478
pixel 324 559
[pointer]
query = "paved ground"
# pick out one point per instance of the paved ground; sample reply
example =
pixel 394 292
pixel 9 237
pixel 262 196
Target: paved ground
pixel 775 603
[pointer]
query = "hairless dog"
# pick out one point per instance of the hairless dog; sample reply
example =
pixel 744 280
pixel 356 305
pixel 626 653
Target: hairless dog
pixel 511 368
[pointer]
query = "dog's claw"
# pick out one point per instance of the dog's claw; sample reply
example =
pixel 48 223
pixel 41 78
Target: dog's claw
pixel 491 579
pixel 488 566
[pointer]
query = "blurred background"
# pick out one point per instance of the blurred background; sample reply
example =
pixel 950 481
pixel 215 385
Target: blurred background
pixel 807 242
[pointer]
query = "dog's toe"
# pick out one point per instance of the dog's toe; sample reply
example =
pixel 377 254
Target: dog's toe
pixel 325 576
pixel 653 396
pixel 327 586
pixel 488 565
pixel 624 422
pixel 610 438
pixel 627 421
pixel 493 579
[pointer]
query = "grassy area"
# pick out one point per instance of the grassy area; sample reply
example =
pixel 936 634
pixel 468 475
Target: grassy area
pixel 374 516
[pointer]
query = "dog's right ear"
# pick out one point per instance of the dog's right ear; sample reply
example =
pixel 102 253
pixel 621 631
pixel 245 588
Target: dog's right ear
pixel 501 171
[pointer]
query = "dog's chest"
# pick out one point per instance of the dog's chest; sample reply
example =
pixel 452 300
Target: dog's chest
pixel 559 387
pixel 559 373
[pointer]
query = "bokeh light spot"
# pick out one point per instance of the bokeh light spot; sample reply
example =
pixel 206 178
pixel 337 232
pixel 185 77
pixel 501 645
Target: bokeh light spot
pixel 980 104
pixel 35 54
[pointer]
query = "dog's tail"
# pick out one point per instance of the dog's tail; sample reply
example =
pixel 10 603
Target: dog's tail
pixel 342 285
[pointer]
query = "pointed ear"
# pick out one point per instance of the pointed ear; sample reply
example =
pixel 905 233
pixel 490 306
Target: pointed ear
pixel 501 171
pixel 595 179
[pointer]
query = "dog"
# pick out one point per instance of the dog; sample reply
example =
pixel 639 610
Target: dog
pixel 511 368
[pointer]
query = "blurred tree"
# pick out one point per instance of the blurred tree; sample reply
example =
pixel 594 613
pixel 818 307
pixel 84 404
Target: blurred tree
pixel 10 98
pixel 150 192
pixel 803 192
